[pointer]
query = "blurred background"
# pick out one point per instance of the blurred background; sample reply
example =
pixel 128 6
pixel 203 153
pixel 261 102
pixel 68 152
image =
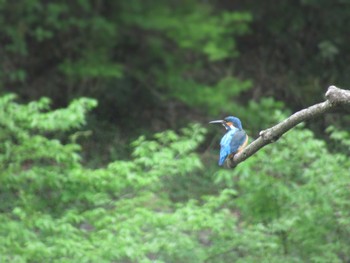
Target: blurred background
pixel 119 164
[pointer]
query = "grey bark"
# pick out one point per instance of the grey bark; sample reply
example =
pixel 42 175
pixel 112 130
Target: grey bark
pixel 335 97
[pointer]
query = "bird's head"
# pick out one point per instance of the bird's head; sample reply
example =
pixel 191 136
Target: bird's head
pixel 230 122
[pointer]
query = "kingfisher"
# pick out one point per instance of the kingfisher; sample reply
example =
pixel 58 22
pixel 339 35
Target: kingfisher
pixel 234 140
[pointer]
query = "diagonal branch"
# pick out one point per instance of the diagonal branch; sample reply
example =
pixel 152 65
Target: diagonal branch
pixel 334 97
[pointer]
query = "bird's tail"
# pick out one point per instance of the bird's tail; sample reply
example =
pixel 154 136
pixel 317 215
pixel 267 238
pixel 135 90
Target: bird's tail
pixel 222 160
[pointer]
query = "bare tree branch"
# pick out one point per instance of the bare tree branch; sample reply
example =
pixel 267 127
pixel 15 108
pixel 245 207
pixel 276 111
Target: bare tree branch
pixel 334 97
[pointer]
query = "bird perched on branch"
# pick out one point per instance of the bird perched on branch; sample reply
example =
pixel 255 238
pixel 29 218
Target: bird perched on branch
pixel 234 140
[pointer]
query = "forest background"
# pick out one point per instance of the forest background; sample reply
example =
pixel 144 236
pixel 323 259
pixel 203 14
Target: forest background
pixel 105 151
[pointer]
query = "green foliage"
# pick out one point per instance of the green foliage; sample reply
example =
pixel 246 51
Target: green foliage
pixel 53 209
pixel 341 139
pixel 198 34
pixel 213 99
pixel 299 52
pixel 297 189
pixel 192 26
pixel 94 49
pixel 288 203
pixel 158 64
pixel 259 115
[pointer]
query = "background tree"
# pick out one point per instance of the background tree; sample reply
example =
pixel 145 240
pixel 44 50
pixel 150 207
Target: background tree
pixel 122 180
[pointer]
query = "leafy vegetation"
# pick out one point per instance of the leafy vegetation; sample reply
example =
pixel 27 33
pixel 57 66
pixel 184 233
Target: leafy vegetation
pixel 102 154
pixel 289 203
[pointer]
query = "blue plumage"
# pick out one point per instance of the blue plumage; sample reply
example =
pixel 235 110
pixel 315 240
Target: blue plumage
pixel 234 140
pixel 225 145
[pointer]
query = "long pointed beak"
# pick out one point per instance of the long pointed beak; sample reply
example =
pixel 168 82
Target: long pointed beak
pixel 217 121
